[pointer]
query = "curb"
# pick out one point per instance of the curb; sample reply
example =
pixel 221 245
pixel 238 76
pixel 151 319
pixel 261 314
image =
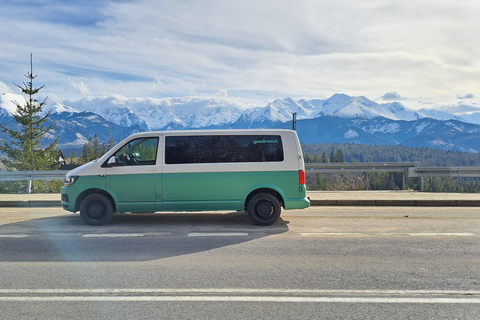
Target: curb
pixel 394 203
pixel 32 203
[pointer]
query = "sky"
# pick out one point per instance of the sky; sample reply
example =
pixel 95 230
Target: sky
pixel 421 53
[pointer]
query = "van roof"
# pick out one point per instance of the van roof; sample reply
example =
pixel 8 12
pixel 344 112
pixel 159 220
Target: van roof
pixel 213 131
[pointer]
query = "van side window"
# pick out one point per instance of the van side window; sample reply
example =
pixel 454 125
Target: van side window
pixel 137 152
pixel 223 148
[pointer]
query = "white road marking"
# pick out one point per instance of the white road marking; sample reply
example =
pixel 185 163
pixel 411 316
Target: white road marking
pixel 113 235
pixel 217 234
pixel 242 299
pixel 243 295
pixel 366 234
pixel 318 234
pixel 13 235
pixel 242 291
pixel 245 234
pixel 441 234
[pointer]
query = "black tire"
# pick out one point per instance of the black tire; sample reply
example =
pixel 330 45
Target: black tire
pixel 96 209
pixel 264 209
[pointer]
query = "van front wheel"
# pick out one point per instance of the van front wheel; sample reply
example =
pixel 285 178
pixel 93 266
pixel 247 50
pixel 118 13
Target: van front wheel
pixel 96 209
pixel 264 209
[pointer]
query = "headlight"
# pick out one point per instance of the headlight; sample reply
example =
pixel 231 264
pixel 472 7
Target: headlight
pixel 69 181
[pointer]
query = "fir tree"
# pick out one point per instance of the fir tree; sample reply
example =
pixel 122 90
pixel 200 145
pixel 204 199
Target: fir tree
pixel 339 156
pixel 324 158
pixel 92 149
pixel 25 152
pixel 332 155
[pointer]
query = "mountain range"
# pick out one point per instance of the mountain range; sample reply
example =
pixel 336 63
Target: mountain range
pixel 338 119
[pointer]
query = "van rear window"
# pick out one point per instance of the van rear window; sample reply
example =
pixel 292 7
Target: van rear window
pixel 223 148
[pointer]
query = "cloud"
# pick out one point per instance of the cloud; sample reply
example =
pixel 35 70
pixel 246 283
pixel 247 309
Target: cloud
pixel 392 96
pixel 465 96
pixel 4 88
pixel 79 87
pixel 257 49
pixel 222 93
pixel 459 108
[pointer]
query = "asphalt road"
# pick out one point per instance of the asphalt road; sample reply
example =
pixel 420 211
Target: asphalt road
pixel 318 263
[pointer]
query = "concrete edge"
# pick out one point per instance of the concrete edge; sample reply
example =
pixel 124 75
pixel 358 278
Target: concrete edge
pixel 395 203
pixel 33 203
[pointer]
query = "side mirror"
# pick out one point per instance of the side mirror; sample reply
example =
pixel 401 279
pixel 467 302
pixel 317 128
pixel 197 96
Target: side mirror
pixel 112 162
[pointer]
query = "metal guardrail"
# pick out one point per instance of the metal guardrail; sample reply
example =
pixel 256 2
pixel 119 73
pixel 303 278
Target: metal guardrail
pixel 410 169
pixel 32 175
pixel 458 172
pixel 345 167
pixel 339 167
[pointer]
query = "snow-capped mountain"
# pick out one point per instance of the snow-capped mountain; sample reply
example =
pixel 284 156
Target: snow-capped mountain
pixel 340 118
pixel 279 111
pixel 4 113
pixel 197 112
pixel 124 117
pixel 399 112
pixel 439 115
pixel 59 108
pixel 343 106
pixel 166 113
pixel 7 101
pixel 472 117
pixel 426 132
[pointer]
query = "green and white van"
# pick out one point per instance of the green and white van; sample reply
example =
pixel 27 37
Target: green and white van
pixel 257 171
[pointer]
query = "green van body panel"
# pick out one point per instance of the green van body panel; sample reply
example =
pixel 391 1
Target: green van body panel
pixel 223 190
pixel 190 191
pixel 83 184
pixel 133 192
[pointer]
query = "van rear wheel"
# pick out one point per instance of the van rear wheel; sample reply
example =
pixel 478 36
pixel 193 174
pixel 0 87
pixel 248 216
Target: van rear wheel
pixel 96 209
pixel 264 209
